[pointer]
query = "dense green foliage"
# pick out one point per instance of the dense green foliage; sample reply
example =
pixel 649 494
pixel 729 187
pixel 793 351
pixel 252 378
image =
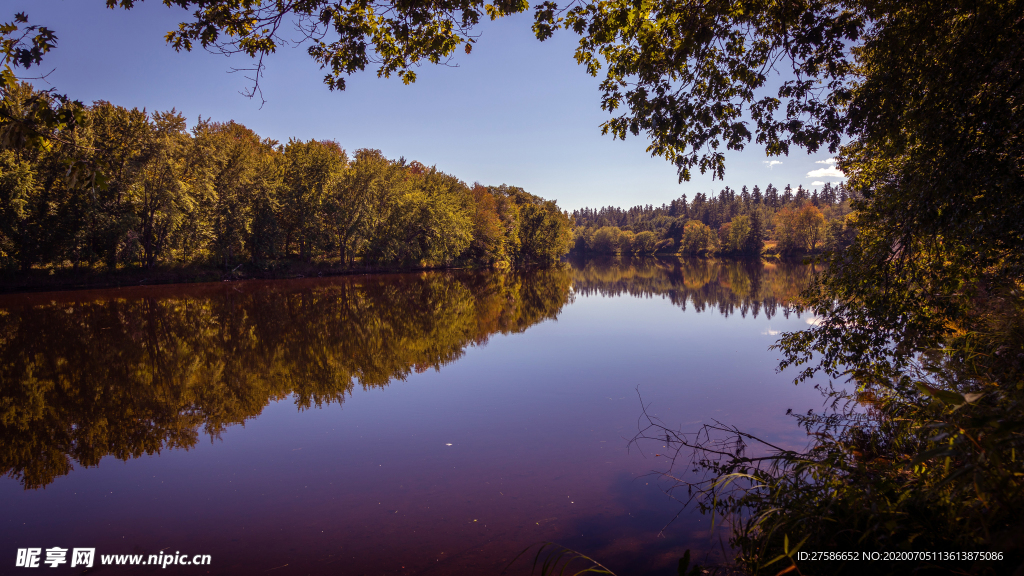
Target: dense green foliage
pixel 83 377
pixel 925 310
pixel 919 311
pixel 741 224
pixel 220 194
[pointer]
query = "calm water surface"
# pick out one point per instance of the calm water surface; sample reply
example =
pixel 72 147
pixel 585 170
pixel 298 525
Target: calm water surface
pixel 432 423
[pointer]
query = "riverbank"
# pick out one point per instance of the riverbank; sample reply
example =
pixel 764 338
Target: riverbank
pixel 51 279
pixel 47 280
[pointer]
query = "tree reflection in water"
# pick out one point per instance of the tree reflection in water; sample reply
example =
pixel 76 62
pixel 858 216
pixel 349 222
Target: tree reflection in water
pixel 135 371
pixel 730 286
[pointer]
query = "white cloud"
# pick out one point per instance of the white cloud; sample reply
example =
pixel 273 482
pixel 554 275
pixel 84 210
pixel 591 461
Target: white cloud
pixel 828 161
pixel 830 172
pixel 772 163
pixel 817 183
pixel 770 332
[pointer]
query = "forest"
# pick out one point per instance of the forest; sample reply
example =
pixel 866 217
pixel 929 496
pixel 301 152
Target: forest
pixel 165 194
pixel 746 223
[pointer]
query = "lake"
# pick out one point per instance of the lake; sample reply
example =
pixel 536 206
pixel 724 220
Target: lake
pixel 428 423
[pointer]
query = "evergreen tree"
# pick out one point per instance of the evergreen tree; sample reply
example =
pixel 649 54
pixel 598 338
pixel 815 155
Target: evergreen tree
pixel 755 238
pixel 787 195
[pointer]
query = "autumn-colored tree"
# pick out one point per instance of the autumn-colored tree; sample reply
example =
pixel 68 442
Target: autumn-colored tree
pixel 220 194
pixel 544 231
pixel 724 232
pixel 799 229
pixel 626 238
pixel 234 168
pixel 487 244
pixel 439 219
pixel 161 195
pixel 739 233
pixel 313 169
pixel 645 242
pixel 18 192
pixel 698 238
pixel 606 240
pixel 121 136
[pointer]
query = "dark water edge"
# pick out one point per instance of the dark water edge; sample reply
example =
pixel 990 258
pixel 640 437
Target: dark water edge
pixel 84 279
pixel 421 423
pixel 87 279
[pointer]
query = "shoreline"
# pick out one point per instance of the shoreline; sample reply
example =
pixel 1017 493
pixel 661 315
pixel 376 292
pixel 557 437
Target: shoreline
pixel 37 281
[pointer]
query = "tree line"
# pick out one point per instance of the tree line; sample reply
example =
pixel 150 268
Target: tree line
pixel 217 193
pixel 747 222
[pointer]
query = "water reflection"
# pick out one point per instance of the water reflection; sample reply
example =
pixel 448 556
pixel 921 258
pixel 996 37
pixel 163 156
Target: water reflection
pixel 729 286
pixel 133 372
pixel 452 472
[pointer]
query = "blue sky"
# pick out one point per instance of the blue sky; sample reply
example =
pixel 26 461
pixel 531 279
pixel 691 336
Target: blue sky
pixel 515 111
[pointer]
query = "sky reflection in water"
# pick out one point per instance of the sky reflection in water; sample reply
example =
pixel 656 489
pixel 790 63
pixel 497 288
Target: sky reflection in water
pixel 431 423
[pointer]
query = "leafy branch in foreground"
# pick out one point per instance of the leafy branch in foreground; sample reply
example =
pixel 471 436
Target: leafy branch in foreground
pixel 920 317
pixel 44 116
pixel 343 37
pixel 38 121
pixel 913 467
